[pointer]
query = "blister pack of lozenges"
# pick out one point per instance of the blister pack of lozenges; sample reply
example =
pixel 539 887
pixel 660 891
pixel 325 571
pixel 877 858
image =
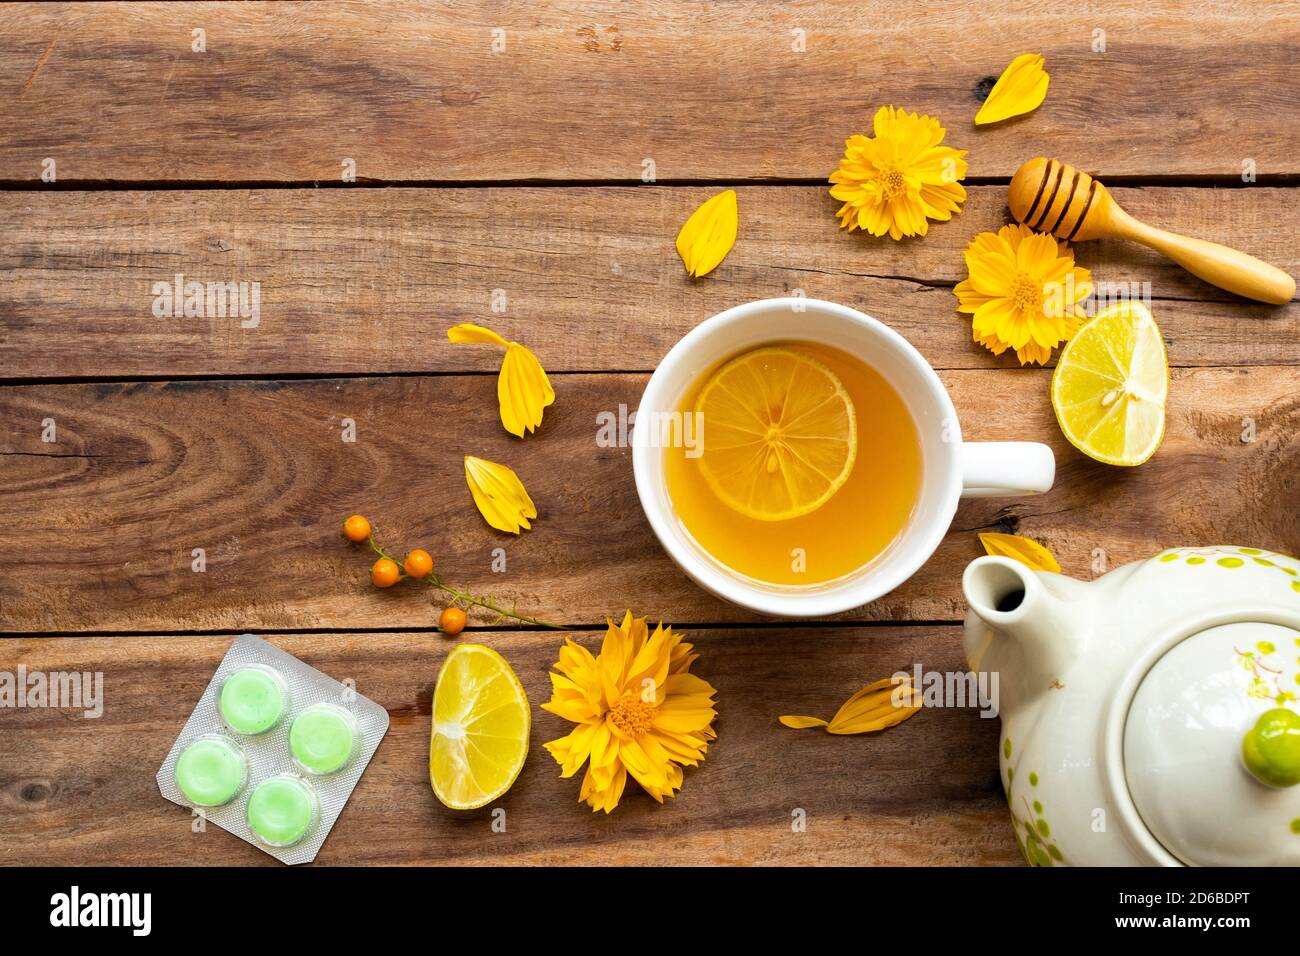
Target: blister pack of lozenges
pixel 273 750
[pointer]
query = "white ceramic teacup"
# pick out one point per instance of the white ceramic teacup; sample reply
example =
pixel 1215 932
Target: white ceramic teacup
pixel 951 468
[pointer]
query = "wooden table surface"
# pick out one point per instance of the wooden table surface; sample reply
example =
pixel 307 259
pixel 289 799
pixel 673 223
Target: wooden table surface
pixel 520 168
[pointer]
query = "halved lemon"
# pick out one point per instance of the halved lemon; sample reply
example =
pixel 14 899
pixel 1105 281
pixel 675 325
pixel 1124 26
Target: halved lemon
pixel 780 434
pixel 1110 386
pixel 480 728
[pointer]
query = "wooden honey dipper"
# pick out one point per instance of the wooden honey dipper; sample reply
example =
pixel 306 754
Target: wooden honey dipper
pixel 1049 196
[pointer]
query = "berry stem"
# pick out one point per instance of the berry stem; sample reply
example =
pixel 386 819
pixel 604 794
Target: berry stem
pixel 487 603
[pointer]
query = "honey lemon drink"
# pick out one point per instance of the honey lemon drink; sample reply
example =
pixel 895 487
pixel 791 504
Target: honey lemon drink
pixel 810 468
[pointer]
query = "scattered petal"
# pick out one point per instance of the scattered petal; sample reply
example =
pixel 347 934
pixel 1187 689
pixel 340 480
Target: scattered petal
pixel 1020 89
pixel 1029 553
pixel 709 234
pixel 523 390
pixel 801 723
pixel 881 704
pixel 499 495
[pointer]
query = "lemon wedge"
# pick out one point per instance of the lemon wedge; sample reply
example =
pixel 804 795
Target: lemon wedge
pixel 1111 384
pixel 480 728
pixel 780 434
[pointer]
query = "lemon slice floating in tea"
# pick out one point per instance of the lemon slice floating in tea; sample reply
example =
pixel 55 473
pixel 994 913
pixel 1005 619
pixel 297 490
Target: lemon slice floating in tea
pixel 780 434
pixel 1110 386
pixel 480 728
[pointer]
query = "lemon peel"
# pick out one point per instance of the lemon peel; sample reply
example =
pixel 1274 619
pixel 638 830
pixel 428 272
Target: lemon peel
pixel 1029 553
pixel 523 390
pixel 708 235
pixel 1020 89
pixel 499 495
pixel 881 704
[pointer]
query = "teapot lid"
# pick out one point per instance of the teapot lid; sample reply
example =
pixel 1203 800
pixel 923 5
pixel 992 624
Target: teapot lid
pixel 1212 747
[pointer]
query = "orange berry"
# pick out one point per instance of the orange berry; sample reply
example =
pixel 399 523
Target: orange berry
pixel 384 573
pixel 356 528
pixel 451 620
pixel 418 563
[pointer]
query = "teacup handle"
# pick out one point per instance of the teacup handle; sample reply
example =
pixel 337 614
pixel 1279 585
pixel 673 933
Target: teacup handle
pixel 996 469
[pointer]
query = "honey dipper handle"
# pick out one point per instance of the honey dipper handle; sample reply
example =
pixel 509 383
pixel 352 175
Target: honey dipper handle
pixel 1218 265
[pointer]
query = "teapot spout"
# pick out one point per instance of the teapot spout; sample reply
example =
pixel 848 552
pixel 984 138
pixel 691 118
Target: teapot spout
pixel 1033 634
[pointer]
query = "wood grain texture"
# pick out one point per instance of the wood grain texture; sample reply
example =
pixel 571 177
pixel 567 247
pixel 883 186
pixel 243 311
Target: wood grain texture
pixel 925 793
pixel 414 92
pixel 104 522
pixel 368 281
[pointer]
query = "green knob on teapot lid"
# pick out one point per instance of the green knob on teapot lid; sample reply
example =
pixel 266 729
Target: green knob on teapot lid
pixel 1271 749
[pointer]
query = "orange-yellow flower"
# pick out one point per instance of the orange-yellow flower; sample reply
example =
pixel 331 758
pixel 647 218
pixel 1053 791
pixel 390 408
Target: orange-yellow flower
pixel 639 711
pixel 1024 291
pixel 897 180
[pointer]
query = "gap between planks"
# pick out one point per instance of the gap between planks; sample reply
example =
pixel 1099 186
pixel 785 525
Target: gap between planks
pixel 1207 181
pixel 397 631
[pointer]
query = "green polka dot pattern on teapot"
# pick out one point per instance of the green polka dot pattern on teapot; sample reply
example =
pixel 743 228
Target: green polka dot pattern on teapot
pixel 1288 568
pixel 1033 832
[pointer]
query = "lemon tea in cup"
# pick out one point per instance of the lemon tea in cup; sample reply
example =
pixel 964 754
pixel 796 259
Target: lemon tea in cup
pixel 805 467
pixel 826 463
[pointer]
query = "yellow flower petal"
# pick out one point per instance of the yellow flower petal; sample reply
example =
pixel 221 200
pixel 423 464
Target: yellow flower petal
pixel 1027 552
pixel 801 723
pixel 474 335
pixel 1020 89
pixel 523 390
pixel 708 235
pixel 870 709
pixel 499 495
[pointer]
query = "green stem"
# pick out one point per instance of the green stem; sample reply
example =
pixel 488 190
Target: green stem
pixel 461 595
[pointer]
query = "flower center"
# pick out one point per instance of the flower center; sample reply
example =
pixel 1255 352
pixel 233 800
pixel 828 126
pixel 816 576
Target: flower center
pixel 1027 293
pixel 893 182
pixel 632 715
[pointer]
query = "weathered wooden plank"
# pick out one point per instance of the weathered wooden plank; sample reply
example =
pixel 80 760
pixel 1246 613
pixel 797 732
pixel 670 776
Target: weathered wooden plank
pixel 369 280
pixel 424 92
pixel 82 791
pixel 103 523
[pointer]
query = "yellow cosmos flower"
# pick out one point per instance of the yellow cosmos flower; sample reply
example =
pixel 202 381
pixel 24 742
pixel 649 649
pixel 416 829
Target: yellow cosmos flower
pixel 499 495
pixel 639 712
pixel 1020 89
pixel 1024 290
pixel 897 180
pixel 883 703
pixel 523 390
pixel 709 234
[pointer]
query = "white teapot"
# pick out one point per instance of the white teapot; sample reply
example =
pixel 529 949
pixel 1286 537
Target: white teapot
pixel 1148 717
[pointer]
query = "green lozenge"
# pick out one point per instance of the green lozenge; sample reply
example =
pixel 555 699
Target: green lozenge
pixel 283 810
pixel 211 771
pixel 323 738
pixel 252 700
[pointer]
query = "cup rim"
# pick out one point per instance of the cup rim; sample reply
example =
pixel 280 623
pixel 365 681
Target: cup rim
pixel 861 587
